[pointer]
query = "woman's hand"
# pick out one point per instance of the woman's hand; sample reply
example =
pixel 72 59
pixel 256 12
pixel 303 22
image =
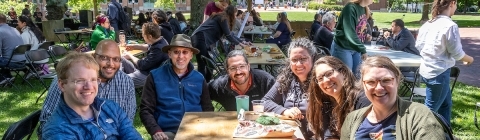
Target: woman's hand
pixel 160 136
pixel 293 113
pixel 112 29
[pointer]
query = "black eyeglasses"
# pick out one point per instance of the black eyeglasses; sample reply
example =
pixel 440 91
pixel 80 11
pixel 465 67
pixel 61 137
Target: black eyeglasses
pixel 104 58
pixel 327 74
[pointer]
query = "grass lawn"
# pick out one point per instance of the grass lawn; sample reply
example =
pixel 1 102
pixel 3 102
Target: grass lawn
pixel 382 19
pixel 18 103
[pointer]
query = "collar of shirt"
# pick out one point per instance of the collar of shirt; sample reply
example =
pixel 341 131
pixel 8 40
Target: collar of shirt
pixel 234 88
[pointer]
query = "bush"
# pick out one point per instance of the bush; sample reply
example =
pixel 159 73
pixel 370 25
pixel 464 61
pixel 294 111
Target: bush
pixel 316 6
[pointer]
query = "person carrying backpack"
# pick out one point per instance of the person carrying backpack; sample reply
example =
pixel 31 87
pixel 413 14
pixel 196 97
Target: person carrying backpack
pixel 174 23
pixel 119 20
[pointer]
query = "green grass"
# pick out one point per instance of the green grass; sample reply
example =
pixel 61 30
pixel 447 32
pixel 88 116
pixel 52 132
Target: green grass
pixel 16 104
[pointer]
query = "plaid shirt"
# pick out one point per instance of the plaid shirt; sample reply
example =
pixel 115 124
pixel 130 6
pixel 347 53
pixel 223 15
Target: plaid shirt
pixel 119 89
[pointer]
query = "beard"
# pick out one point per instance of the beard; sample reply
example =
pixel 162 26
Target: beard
pixel 241 81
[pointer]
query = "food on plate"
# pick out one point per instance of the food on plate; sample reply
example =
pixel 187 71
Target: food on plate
pixel 274 50
pixel 253 129
pixel 279 57
pixel 268 120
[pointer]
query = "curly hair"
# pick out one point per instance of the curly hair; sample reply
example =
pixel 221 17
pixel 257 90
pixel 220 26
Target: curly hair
pixel 159 16
pixel 440 6
pixel 286 76
pixel 319 101
pixel 152 29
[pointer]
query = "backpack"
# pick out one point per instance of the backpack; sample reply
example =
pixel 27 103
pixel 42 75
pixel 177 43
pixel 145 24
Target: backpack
pixel 175 26
pixel 123 19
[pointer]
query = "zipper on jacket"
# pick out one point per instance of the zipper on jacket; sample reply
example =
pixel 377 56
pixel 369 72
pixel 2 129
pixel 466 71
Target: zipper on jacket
pixel 180 88
pixel 96 121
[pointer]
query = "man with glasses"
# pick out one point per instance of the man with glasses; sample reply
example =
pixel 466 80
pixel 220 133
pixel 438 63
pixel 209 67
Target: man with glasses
pixel 80 114
pixel 114 85
pixel 172 90
pixel 240 80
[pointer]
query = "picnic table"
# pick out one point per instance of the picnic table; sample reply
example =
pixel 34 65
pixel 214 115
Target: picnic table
pixel 213 125
pixel 122 49
pixel 267 59
pixel 257 30
pixel 75 32
pixel 399 58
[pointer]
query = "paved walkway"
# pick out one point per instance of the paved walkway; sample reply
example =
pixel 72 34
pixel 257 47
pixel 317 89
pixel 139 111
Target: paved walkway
pixel 470 75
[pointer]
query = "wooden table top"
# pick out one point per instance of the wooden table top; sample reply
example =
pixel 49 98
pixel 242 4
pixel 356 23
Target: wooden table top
pixel 262 60
pixel 74 32
pixel 213 126
pixel 133 52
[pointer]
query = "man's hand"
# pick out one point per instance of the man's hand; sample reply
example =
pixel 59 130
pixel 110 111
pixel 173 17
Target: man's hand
pixel 386 34
pixel 293 113
pixel 160 136
pixel 130 47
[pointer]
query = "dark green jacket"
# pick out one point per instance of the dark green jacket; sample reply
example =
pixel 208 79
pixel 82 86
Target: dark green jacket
pixel 100 34
pixel 351 28
pixel 414 122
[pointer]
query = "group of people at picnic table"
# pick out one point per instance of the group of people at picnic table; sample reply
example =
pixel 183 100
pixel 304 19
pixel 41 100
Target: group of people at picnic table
pixel 348 95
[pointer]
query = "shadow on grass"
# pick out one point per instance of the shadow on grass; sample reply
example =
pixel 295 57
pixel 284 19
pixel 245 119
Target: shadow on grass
pixel 15 104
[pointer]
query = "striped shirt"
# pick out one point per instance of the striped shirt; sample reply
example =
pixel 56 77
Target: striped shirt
pixel 119 89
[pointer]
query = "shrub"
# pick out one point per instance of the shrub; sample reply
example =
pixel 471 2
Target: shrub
pixel 316 6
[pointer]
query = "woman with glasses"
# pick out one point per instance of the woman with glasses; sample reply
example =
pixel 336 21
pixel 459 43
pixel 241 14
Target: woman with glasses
pixel 332 96
pixel 388 117
pixel 288 96
pixel 101 30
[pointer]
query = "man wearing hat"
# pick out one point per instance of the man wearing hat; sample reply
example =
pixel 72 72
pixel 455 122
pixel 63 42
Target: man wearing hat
pixel 172 90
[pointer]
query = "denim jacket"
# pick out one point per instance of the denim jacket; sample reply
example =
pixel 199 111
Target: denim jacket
pixel 110 123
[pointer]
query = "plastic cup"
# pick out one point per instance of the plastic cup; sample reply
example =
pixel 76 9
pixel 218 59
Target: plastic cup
pixel 242 102
pixel 258 106
pixel 373 44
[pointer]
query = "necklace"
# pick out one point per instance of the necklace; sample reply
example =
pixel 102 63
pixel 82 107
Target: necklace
pixel 372 115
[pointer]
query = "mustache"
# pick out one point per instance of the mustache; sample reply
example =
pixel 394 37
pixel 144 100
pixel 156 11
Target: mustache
pixel 239 74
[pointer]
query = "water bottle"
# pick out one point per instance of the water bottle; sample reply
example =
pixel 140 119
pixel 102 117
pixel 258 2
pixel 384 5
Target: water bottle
pixel 122 38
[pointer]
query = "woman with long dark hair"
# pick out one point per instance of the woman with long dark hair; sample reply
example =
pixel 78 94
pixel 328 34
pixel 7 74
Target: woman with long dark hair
pixel 101 30
pixel 31 34
pixel 141 19
pixel 182 20
pixel 282 32
pixel 210 32
pixel 332 96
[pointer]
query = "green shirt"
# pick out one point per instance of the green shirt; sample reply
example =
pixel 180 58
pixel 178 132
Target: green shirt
pixel 100 34
pixel 351 29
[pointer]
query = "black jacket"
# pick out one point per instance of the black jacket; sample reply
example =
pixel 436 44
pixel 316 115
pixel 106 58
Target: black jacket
pixel 155 57
pixel 221 91
pixel 315 26
pixel 213 29
pixel 166 31
pixel 175 25
pixel 323 37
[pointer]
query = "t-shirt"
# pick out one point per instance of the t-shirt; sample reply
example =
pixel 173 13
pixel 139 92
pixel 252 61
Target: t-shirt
pixel 383 130
pixel 282 27
pixel 211 8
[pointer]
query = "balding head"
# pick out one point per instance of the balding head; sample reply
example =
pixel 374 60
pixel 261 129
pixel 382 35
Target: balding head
pixel 3 18
pixel 107 45
pixel 107 54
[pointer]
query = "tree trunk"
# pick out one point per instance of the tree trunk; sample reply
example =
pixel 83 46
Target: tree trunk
pixel 196 14
pixel 426 11
pixel 465 5
pixel 95 8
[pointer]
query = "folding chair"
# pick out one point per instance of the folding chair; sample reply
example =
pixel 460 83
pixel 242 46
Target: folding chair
pixel 38 55
pixel 307 30
pixel 22 128
pixel 293 34
pixel 211 66
pixel 454 73
pixel 19 50
pixel 57 51
pixel 216 59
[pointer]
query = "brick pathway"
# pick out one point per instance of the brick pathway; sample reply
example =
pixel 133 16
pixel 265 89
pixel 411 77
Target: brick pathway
pixel 470 75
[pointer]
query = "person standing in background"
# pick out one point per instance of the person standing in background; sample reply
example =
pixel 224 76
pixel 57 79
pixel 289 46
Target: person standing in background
pixel 439 44
pixel 214 8
pixel 351 33
pixel 112 13
pixel 38 15
pixel 26 11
